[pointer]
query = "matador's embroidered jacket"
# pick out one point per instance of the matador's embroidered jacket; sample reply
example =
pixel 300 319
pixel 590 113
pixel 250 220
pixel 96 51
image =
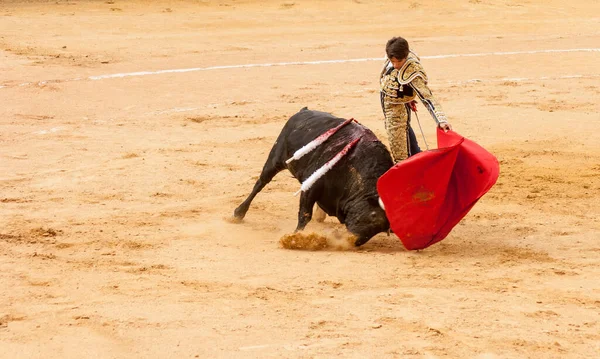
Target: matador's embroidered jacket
pixel 403 85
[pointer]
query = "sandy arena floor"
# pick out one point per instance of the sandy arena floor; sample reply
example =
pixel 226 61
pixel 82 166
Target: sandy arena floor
pixel 115 190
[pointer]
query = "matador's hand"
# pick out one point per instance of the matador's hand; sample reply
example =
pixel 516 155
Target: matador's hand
pixel 446 126
pixel 413 105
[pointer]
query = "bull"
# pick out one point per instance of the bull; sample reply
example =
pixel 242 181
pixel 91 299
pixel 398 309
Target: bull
pixel 348 190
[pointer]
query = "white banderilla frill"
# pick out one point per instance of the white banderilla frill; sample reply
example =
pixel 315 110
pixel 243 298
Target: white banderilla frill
pixel 316 142
pixel 325 168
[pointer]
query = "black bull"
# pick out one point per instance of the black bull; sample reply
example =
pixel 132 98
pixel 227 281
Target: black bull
pixel 347 191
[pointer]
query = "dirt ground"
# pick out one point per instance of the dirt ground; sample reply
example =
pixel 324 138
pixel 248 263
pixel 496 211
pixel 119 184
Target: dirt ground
pixel 115 191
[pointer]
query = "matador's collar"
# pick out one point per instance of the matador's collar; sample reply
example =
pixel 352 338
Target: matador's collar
pixel 411 69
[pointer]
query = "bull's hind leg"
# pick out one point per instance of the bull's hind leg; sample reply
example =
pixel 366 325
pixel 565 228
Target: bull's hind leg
pixel 270 169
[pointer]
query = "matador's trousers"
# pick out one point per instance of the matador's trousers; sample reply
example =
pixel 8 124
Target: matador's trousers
pixel 403 142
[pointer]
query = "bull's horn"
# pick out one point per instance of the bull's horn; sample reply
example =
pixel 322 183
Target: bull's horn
pixel 380 203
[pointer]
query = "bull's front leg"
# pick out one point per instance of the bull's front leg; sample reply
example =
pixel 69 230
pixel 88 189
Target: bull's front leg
pixel 307 201
pixel 361 240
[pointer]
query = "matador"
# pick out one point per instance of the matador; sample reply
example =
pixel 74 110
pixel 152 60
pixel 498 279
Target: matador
pixel 402 80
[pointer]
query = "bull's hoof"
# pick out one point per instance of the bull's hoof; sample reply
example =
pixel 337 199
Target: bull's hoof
pixel 239 213
pixel 359 242
pixel 234 219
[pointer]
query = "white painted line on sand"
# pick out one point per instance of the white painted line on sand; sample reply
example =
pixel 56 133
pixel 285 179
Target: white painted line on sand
pixel 256 347
pixel 45 132
pixel 294 63
pixel 193 69
pixel 507 53
pixel 520 79
pixel 177 109
pixel 373 89
pixel 476 81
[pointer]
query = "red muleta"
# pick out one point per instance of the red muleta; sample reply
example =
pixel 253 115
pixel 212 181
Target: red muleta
pixel 426 195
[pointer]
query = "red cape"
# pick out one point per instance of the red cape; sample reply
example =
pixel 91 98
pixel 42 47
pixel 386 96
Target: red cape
pixel 426 195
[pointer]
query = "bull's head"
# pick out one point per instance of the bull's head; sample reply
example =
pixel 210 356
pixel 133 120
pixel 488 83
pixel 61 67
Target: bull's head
pixel 365 219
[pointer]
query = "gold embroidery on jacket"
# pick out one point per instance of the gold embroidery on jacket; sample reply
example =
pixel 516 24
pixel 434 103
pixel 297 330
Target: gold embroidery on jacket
pixel 411 74
pixel 411 69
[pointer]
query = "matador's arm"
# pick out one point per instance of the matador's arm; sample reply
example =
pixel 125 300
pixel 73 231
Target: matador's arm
pixel 435 109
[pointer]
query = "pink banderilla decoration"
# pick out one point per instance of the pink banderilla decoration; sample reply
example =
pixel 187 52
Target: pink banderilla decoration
pixel 326 167
pixel 316 142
